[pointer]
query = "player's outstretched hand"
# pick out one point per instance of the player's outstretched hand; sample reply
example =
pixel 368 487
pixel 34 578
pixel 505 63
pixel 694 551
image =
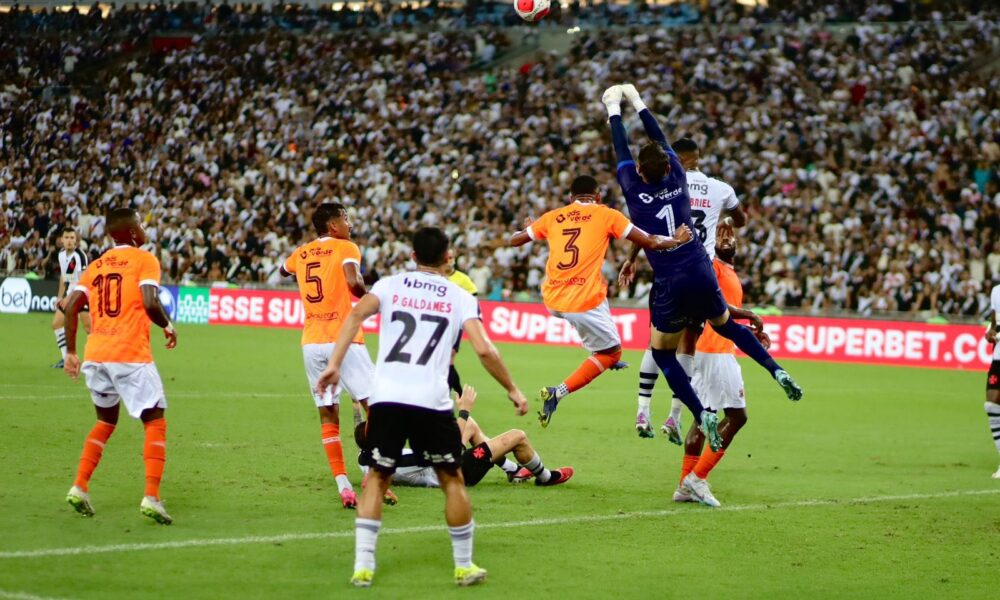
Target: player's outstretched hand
pixel 72 365
pixel 631 94
pixel 520 402
pixel 627 274
pixel 327 379
pixel 991 335
pixel 171 334
pixel 763 338
pixel 468 398
pixel 612 99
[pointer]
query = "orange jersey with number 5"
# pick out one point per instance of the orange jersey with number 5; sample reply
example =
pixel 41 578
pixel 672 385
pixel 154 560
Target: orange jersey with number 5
pixel 732 290
pixel 319 270
pixel 119 330
pixel 578 237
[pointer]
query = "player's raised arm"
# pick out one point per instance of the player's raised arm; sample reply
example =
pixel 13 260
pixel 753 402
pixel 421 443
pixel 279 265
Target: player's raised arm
pixel 464 405
pixel 365 308
pixel 641 239
pixel 533 230
pixel 490 357
pixel 653 131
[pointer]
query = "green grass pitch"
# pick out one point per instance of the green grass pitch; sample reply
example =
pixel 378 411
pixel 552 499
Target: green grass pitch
pixel 876 485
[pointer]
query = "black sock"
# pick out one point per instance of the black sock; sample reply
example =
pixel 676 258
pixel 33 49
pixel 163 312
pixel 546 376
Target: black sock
pixel 748 343
pixel 679 382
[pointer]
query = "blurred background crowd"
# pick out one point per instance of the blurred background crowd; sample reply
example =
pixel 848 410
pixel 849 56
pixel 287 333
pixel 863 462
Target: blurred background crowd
pixel 866 153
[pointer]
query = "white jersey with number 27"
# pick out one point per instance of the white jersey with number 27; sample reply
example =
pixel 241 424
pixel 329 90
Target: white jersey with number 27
pixel 421 318
pixel 709 197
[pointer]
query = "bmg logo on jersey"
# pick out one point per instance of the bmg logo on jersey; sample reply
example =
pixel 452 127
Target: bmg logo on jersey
pixel 438 288
pixel 15 296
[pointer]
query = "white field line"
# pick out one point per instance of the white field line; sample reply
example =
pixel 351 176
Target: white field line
pixel 293 537
pixel 23 596
pixel 85 395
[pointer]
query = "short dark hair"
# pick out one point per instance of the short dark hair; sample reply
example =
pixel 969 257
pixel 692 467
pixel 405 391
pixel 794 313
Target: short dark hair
pixel 685 146
pixel 430 244
pixel 119 219
pixel 584 184
pixel 653 162
pixel 325 213
pixel 68 230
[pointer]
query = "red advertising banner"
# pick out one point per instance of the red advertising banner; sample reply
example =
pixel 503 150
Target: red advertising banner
pixel 807 338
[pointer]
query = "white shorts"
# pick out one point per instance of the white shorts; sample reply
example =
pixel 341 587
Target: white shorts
pixel 138 384
pixel 416 477
pixel 718 380
pixel 595 327
pixel 356 374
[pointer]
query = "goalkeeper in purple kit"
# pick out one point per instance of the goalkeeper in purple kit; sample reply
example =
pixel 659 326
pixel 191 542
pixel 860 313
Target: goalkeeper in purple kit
pixel 685 290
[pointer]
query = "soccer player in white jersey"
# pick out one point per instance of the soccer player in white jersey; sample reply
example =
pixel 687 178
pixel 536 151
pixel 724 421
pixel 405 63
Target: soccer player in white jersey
pixel 422 314
pixel 992 404
pixel 710 198
pixel 72 262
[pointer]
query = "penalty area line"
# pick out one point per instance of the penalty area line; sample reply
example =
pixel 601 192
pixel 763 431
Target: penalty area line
pixel 324 535
pixel 23 596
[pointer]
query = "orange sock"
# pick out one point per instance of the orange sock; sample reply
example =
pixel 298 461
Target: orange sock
pixel 154 454
pixel 590 369
pixel 334 451
pixel 709 458
pixel 687 465
pixel 93 447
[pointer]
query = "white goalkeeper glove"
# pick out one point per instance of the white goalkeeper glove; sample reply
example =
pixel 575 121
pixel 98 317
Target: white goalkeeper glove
pixel 612 100
pixel 632 95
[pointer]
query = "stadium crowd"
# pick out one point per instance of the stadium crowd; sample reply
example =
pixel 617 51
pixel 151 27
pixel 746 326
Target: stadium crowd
pixel 867 157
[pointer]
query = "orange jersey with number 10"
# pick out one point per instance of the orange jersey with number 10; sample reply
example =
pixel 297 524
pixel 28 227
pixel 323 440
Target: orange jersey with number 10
pixel 578 236
pixel 319 270
pixel 119 329
pixel 732 290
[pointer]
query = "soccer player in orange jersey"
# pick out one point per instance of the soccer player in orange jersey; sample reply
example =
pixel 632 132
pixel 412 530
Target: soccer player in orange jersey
pixel 122 289
pixel 718 380
pixel 574 289
pixel 328 271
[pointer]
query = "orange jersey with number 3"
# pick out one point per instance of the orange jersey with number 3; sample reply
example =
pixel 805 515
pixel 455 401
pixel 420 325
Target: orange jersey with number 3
pixel 732 290
pixel 119 330
pixel 578 237
pixel 319 270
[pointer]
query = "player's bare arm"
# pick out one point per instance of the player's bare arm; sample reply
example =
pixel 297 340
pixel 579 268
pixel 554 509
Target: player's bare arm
pixel 735 217
pixel 464 405
pixel 74 304
pixel 366 307
pixel 493 363
pixel 355 282
pixel 157 314
pixel 659 242
pixel 991 333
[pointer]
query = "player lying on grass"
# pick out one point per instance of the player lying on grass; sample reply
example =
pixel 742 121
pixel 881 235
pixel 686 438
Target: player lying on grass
pixel 685 291
pixel 574 289
pixel 328 272
pixel 718 379
pixel 481 454
pixel 122 288
pixel 421 314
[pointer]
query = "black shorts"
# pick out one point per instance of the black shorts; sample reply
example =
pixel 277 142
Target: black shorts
pixel 686 297
pixel 993 379
pixel 433 435
pixel 476 463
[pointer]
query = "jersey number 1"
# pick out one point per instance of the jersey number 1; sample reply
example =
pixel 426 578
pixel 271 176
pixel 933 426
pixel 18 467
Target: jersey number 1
pixel 409 322
pixel 109 294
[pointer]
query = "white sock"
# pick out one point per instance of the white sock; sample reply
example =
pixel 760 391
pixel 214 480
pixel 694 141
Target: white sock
pixel 538 469
pixel 365 538
pixel 343 483
pixel 648 372
pixel 509 466
pixel 461 543
pixel 993 412
pixel 676 407
pixel 61 340
pixel 644 407
pixel 687 363
pixel 562 391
